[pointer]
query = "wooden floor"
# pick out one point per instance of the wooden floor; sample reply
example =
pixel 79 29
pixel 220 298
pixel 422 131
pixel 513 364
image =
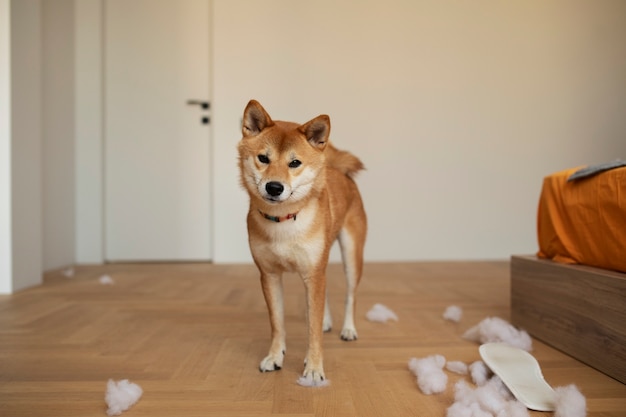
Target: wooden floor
pixel 192 337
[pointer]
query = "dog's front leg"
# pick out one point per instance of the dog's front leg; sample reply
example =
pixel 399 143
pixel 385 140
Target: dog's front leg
pixel 315 294
pixel 273 293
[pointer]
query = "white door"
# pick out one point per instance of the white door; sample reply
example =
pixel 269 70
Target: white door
pixel 157 195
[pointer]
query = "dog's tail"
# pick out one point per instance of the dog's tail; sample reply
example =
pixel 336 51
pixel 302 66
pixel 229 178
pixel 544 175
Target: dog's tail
pixel 343 161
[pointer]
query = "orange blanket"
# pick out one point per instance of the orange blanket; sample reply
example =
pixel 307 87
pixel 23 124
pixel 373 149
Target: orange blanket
pixel 584 221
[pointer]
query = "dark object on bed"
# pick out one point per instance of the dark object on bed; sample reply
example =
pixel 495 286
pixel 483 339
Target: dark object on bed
pixel 592 170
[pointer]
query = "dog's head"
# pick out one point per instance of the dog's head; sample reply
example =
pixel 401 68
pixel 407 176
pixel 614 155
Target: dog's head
pixel 281 162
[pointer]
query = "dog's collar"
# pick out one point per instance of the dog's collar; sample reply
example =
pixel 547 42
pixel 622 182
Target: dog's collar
pixel 279 219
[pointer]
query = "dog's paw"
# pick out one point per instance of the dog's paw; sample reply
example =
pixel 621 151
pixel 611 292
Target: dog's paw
pixel 313 376
pixel 349 334
pixel 272 363
pixel 328 325
pixel 308 381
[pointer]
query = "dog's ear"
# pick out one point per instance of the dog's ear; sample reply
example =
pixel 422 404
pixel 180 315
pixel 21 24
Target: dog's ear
pixel 317 131
pixel 255 119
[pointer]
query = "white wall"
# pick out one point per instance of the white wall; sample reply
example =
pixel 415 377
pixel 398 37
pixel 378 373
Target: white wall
pixel 36 140
pixel 26 149
pixel 88 131
pixel 6 257
pixel 58 133
pixel 458 109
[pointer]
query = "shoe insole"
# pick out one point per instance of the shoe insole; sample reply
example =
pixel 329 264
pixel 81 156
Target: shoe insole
pixel 520 372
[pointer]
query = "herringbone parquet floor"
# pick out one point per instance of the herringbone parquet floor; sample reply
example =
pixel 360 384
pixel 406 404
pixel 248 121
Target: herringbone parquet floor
pixel 192 335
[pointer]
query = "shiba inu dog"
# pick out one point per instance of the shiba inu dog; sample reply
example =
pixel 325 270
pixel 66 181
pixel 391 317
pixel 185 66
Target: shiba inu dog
pixel 302 198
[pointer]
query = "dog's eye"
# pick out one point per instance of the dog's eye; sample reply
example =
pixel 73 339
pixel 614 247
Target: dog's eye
pixel 295 163
pixel 263 159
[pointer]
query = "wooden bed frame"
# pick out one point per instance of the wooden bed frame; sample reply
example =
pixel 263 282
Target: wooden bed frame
pixel 577 309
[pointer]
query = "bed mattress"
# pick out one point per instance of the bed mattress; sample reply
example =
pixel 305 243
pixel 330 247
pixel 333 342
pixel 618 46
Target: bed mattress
pixel 584 221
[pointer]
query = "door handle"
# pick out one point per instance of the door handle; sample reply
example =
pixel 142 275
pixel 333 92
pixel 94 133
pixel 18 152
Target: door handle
pixel 203 104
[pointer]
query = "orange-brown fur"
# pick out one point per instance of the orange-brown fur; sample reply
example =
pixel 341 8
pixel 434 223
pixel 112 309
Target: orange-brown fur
pixel 292 169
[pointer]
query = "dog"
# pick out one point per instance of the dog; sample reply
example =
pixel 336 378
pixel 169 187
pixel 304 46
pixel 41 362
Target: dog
pixel 302 198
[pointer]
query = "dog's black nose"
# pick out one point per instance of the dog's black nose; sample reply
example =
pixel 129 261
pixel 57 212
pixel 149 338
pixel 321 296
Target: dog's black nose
pixel 274 188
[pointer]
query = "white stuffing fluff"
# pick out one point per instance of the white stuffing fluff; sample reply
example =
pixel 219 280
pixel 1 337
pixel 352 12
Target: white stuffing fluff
pixel 490 400
pixel 121 395
pixel 453 313
pixel 479 372
pixel 513 409
pixel 497 383
pixel 495 329
pixel 381 313
pixel 429 371
pixel 69 272
pixel 457 367
pixel 569 402
pixel 106 280
pixel 308 381
pixel 493 399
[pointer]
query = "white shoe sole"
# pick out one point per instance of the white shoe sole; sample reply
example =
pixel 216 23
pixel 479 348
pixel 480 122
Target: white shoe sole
pixel 520 372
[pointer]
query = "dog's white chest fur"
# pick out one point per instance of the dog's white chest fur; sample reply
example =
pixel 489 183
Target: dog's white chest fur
pixel 290 242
